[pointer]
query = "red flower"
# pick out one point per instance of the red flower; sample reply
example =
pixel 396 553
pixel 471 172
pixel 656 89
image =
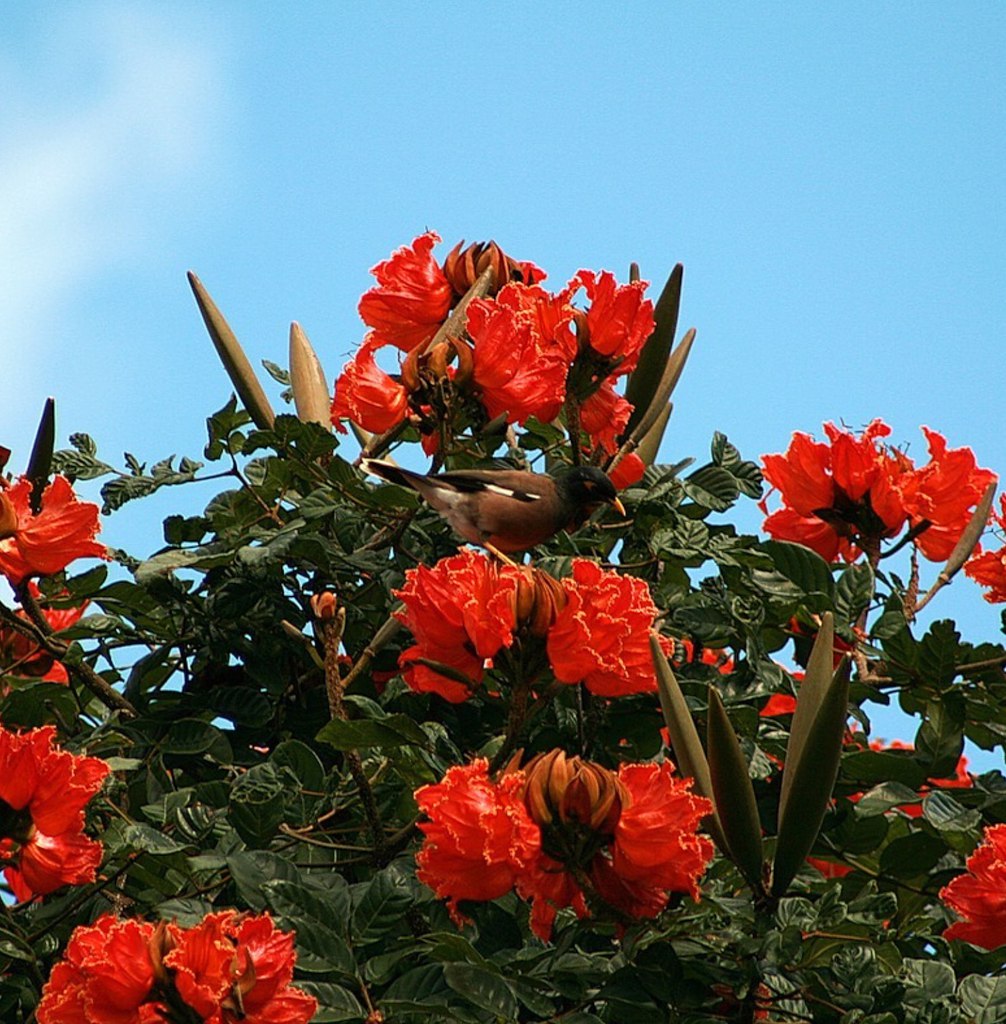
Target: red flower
pixel 778 704
pixel 627 471
pixel 105 977
pixel 412 297
pixel 989 567
pixel 855 492
pixel 944 492
pixel 656 839
pixel 643 847
pixel 231 967
pixel 39 545
pixel 619 320
pixel 368 396
pixel 835 496
pixel 543 828
pixel 601 637
pixel 979 895
pixel 19 656
pixel 604 416
pixel 479 838
pixel 461 612
pixel 43 791
pixel 237 967
pixel 515 373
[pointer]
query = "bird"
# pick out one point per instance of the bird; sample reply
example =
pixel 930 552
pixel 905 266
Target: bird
pixel 507 510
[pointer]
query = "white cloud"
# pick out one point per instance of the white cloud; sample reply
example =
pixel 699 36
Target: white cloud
pixel 104 119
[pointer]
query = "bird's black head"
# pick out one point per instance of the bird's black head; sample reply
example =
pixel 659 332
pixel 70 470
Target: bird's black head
pixel 584 488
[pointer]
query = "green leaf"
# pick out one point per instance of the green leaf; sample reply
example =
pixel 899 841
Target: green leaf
pixel 381 907
pixel 150 840
pixel 392 731
pixel 806 568
pixel 253 870
pixel 711 487
pixel 190 736
pixel 483 988
pixel 854 592
pixel 939 653
pixel 334 1002
pixel 983 999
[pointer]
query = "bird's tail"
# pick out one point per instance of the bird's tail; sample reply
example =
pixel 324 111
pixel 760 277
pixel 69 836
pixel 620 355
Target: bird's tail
pixel 393 473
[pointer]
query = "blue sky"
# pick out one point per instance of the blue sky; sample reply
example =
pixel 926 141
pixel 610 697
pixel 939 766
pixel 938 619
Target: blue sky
pixel 830 175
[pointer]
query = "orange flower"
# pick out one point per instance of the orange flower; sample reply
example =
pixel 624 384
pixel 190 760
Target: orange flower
pixel 461 612
pixel 632 834
pixel 479 838
pixel 601 637
pixel 515 372
pixel 43 791
pixel 604 416
pixel 20 657
pixel 837 496
pixel 412 297
pixel 627 471
pixel 368 396
pixel 619 320
pixel 105 977
pixel 629 836
pixel 230 967
pixel 237 967
pixel 850 495
pixel 978 897
pixel 988 568
pixel 944 492
pixel 42 544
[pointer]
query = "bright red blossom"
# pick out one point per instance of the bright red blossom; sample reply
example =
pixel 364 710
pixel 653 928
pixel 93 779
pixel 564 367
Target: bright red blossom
pixel 601 637
pixel 479 838
pixel 633 835
pixel 236 967
pixel 368 396
pixel 412 297
pixel 461 612
pixel 978 897
pixel 20 657
pixel 515 372
pixel 42 544
pixel 105 977
pixel 849 495
pixel 604 416
pixel 229 968
pixel 43 791
pixel 619 319
pixel 988 568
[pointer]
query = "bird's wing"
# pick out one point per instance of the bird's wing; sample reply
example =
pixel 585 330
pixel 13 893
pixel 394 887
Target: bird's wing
pixel 507 483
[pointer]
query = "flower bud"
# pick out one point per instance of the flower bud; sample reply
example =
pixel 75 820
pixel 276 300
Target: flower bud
pixel 463 267
pixel 324 606
pixel 8 517
pixel 540 598
pixel 573 792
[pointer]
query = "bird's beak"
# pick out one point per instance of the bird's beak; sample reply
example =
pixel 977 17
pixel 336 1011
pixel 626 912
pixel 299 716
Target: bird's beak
pixel 618 506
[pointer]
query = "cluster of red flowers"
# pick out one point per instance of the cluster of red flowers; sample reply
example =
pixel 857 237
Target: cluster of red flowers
pixel 564 832
pixel 230 967
pixel 978 897
pixel 467 608
pixel 525 349
pixel 39 544
pixel 847 496
pixel 19 656
pixel 989 567
pixel 43 791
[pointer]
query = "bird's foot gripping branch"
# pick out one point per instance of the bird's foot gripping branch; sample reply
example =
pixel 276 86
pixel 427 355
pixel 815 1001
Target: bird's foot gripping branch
pixel 316 758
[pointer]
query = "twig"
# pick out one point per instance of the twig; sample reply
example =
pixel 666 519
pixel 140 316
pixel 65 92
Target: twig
pixel 40 633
